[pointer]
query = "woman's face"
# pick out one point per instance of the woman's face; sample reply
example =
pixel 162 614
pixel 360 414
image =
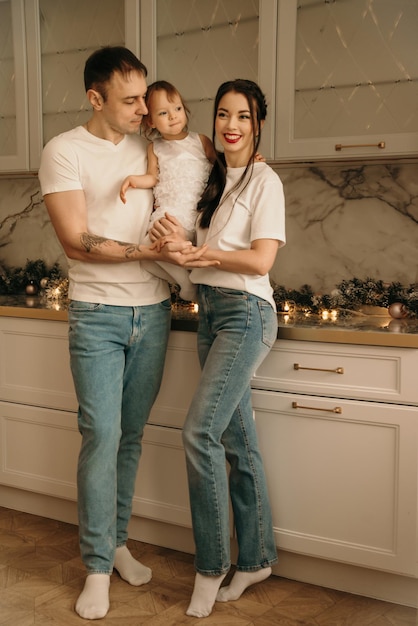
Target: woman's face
pixel 234 128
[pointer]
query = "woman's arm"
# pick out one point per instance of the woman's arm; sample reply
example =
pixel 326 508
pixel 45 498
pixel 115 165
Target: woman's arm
pixel 257 260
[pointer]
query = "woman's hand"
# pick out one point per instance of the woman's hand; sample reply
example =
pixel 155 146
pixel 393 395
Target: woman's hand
pixel 167 225
pixel 181 252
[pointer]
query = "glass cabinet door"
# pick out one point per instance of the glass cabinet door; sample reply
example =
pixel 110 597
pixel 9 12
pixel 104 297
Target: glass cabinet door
pixel 198 45
pixel 69 33
pixel 349 70
pixel 13 93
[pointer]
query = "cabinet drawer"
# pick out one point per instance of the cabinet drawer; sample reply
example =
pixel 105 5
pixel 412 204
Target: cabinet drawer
pixel 35 363
pixel 340 370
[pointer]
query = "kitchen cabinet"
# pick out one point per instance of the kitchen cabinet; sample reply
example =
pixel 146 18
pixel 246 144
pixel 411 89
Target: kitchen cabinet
pixel 347 79
pixel 337 425
pixel 44 46
pixel 342 473
pixel 38 420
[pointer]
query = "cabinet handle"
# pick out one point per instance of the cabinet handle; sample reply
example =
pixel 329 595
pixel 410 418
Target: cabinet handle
pixel 340 146
pixel 336 409
pixel 337 370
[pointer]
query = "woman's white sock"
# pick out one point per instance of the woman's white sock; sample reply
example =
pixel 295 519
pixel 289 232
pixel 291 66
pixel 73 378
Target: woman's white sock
pixel 240 582
pixel 204 595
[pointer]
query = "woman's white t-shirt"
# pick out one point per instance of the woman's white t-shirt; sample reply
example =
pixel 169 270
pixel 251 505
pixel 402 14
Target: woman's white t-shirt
pixel 254 211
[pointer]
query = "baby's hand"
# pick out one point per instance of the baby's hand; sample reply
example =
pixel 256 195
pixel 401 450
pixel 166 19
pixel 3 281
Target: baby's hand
pixel 128 182
pixel 165 226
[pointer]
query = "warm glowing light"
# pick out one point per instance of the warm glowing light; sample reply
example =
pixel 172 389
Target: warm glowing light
pixel 286 307
pixel 286 318
pixel 334 315
pixel 195 308
pixel 325 315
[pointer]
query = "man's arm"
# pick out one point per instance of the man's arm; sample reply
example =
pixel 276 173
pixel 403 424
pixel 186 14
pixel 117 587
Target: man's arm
pixel 68 214
pixel 67 211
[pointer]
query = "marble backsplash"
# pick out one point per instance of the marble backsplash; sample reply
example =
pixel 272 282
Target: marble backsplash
pixel 342 221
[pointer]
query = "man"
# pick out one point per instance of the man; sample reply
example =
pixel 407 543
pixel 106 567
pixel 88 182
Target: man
pixel 119 314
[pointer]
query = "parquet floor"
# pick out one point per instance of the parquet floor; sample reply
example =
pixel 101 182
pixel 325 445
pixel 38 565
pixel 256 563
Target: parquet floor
pixel 41 576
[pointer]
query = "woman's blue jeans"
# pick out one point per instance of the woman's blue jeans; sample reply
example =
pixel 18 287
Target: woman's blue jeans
pixel 117 357
pixel 236 331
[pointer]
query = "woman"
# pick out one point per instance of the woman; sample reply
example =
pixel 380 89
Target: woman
pixel 241 219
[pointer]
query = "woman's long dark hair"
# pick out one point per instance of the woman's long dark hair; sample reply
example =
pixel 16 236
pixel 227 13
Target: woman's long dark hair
pixel 217 179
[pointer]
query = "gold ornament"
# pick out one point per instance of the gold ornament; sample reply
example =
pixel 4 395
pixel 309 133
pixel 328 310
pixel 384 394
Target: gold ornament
pixel 397 310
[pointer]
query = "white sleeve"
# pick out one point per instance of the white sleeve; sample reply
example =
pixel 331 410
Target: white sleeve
pixel 59 167
pixel 268 220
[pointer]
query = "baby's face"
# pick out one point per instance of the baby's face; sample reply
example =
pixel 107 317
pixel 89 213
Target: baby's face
pixel 167 115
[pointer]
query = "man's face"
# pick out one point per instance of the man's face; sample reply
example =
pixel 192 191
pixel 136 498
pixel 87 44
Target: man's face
pixel 125 103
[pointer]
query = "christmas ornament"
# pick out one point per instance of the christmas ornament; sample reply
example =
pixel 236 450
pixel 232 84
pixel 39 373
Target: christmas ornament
pixel 397 310
pixel 31 288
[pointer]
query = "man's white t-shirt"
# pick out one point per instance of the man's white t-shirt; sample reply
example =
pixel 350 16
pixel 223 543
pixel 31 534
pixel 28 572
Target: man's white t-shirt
pixel 257 212
pixel 78 160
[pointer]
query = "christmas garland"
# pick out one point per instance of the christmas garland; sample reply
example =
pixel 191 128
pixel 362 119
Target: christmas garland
pixel 347 297
pixel 28 279
pixel 350 295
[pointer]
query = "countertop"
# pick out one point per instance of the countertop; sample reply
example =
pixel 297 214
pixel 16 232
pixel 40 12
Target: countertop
pixel 355 328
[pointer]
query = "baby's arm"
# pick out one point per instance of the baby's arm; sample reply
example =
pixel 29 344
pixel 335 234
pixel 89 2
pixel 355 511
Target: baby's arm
pixel 143 181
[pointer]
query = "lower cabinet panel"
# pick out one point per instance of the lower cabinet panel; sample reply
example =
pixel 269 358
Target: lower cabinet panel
pixel 342 485
pixel 39 449
pixel 161 488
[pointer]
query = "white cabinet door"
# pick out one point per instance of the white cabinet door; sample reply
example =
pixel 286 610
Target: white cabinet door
pixel 180 378
pixel 342 477
pixel 161 491
pixel 347 79
pixel 39 450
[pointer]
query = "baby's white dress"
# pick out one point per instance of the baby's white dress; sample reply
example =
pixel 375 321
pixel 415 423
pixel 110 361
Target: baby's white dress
pixel 183 173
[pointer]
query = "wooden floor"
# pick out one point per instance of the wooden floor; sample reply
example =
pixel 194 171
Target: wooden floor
pixel 41 576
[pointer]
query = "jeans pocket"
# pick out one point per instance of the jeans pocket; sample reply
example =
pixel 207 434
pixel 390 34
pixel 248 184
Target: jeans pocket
pixel 166 305
pixel 77 306
pixel 268 323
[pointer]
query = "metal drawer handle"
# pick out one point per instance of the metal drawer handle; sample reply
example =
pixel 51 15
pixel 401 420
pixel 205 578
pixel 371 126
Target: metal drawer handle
pixel 337 370
pixel 381 145
pixel 336 409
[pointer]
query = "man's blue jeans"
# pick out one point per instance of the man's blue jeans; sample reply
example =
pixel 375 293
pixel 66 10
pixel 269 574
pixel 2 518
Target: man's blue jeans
pixel 236 331
pixel 117 357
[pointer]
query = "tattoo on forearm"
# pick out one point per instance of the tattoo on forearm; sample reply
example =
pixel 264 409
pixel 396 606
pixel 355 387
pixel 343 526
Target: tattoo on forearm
pixel 89 242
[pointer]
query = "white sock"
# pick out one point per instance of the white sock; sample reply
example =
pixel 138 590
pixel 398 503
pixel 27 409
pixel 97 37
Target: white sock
pixel 240 582
pixel 130 569
pixel 204 595
pixel 93 602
